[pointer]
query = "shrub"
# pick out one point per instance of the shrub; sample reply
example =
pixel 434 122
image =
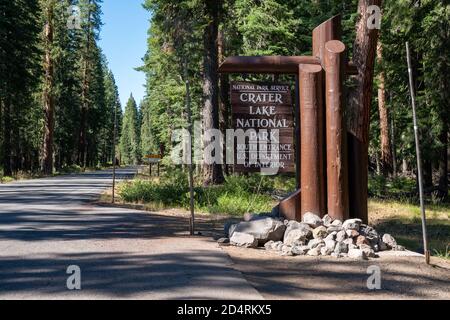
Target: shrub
pixel 398 187
pixel 236 204
pixel 6 179
pixel 238 195
pixel 71 169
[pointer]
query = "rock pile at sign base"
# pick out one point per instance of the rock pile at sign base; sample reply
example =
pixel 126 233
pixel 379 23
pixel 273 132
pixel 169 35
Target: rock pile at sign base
pixel 313 237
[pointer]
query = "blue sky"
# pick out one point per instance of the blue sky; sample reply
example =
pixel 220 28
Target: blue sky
pixel 124 42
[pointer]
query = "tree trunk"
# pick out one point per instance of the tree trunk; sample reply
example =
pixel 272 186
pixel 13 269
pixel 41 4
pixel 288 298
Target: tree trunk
pixel 212 173
pixel 443 137
pixel 443 164
pixel 393 151
pixel 7 149
pixel 359 107
pixel 82 144
pixel 427 174
pixel 404 167
pixel 48 98
pixel 386 155
pixel 224 97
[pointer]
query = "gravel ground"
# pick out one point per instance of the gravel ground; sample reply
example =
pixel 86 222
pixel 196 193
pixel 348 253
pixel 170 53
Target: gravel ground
pixel 313 278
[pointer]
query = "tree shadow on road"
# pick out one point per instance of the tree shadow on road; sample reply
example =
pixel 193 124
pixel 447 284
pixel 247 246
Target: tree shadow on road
pixel 327 278
pixel 195 274
pixel 93 223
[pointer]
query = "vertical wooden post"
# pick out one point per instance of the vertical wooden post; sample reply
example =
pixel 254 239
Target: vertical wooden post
pixel 297 135
pixel 312 140
pixel 336 133
pixel 327 31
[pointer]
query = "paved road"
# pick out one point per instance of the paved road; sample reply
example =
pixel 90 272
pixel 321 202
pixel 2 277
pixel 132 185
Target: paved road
pixel 47 225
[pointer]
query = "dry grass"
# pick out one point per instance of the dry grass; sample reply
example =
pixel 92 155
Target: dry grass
pixel 404 222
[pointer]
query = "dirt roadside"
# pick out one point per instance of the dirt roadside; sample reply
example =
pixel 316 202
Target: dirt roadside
pixel 313 278
pixel 304 277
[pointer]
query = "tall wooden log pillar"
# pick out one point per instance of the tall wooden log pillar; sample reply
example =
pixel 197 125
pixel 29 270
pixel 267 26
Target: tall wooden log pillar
pixel 336 132
pixel 312 140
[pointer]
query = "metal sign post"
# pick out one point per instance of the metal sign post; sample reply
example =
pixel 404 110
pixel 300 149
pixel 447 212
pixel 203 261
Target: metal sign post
pixel 190 166
pixel 114 155
pixel 419 161
pixel 153 158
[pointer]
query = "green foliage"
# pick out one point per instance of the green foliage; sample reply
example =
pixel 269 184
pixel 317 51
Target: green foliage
pixel 248 27
pixel 237 204
pixel 174 38
pixel 80 84
pixel 6 179
pixel 147 142
pixel 395 187
pixel 130 137
pixel 425 25
pixel 238 195
pixel 71 169
pixel 267 27
pixel 19 32
pixel 444 253
pixel 112 104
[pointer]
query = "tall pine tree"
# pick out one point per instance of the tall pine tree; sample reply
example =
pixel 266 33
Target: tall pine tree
pixel 129 140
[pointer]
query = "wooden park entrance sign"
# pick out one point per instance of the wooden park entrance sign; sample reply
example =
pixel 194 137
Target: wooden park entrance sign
pixel 321 149
pixel 263 107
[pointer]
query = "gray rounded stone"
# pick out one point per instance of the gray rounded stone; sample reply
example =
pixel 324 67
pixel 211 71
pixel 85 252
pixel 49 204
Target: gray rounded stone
pixel 312 220
pixel 331 244
pixel 320 232
pixel 331 236
pixel 327 220
pixel 341 236
pixel 314 243
pixel 300 250
pixel 337 223
pixel 389 241
pixel 357 254
pixel 269 245
pixel 341 247
pixel 325 251
pixel 245 240
pixel 315 252
pixel 352 224
pixel 297 236
pixel 294 225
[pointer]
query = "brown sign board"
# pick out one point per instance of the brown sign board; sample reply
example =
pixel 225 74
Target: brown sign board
pixel 264 112
pixel 153 156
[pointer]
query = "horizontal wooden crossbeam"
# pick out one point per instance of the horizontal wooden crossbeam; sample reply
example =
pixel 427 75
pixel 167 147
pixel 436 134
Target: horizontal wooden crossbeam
pixel 272 64
pixel 266 64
